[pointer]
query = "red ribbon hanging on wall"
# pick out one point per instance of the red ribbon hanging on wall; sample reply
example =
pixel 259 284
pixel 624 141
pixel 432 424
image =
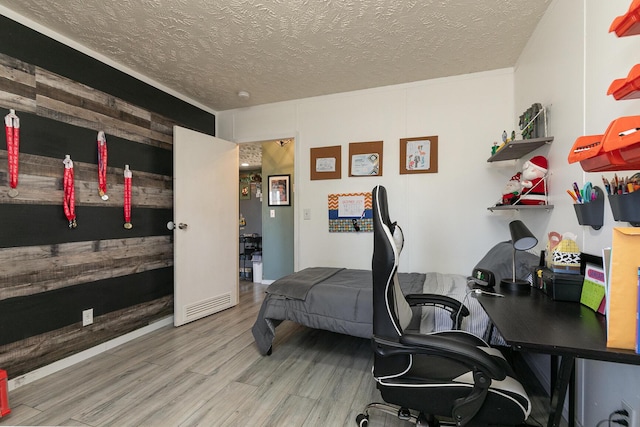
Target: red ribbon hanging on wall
pixel 102 166
pixel 12 130
pixel 127 197
pixel 69 202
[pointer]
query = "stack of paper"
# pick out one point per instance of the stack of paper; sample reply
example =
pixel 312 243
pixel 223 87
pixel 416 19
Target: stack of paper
pixel 606 261
pixel 622 297
pixel 638 317
pixel 594 288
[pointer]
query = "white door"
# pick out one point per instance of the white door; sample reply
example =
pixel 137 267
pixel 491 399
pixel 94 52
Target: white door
pixel 205 188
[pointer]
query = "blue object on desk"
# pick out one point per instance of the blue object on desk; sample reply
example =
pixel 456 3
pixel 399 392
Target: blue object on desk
pixel 587 193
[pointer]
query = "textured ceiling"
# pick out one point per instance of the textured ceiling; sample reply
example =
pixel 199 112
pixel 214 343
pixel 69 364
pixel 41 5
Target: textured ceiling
pixel 277 50
pixel 250 155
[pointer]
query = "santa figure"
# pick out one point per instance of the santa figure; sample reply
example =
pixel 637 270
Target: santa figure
pixel 534 183
pixel 511 191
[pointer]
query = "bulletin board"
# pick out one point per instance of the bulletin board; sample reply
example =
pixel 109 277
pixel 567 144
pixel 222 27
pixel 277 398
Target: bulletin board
pixel 326 162
pixel 350 213
pixel 365 158
pixel 419 155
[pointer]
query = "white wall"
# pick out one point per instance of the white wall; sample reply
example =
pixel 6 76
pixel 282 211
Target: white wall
pixel 444 215
pixel 567 66
pixel 569 62
pixel 608 57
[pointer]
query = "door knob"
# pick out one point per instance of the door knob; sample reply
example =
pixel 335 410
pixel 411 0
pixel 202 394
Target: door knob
pixel 172 225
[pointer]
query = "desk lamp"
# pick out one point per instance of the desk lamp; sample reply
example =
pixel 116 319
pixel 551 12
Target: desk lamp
pixel 522 239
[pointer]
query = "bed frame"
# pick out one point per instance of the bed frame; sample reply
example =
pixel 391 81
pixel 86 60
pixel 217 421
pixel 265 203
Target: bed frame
pixel 340 300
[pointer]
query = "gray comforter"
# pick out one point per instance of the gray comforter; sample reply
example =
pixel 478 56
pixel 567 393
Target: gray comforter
pixel 340 300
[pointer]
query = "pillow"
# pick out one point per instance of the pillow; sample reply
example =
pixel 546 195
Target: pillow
pixel 398 237
pixel 500 257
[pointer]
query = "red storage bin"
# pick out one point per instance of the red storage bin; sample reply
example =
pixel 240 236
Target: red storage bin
pixel 629 23
pixel 4 394
pixel 617 149
pixel 622 140
pixel 627 88
pixel 588 151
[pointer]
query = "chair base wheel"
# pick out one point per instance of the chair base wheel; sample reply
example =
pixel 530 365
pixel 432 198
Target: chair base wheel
pixel 362 420
pixel 404 414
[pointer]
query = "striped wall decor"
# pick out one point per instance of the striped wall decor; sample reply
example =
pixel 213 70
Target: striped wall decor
pixel 49 274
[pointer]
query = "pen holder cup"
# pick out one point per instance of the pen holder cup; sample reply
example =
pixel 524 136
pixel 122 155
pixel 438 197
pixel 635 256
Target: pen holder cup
pixel 626 207
pixel 592 212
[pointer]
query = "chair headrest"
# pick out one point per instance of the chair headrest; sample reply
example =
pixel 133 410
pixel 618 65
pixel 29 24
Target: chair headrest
pixel 383 210
pixel 398 237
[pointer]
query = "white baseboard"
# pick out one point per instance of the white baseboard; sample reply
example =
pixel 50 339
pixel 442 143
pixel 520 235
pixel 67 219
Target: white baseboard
pixel 86 354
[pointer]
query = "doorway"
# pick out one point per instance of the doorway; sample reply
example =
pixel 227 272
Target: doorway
pixel 275 157
pixel 250 212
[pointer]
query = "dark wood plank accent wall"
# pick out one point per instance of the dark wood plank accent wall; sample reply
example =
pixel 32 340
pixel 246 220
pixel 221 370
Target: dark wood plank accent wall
pixel 35 48
pixel 49 274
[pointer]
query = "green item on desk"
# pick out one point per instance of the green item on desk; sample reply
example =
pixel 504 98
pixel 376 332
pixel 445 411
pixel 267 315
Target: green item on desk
pixel 593 288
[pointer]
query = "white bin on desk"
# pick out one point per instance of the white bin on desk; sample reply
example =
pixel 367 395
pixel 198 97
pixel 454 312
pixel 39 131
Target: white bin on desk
pixel 257 272
pixel 256 258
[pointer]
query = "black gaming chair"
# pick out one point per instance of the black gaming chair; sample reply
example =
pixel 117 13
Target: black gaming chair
pixel 450 377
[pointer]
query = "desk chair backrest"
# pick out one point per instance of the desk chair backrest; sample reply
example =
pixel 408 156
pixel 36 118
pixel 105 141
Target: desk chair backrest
pixel 449 373
pixel 391 312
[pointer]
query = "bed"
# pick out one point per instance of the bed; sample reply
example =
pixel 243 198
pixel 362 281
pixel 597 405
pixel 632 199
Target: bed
pixel 340 299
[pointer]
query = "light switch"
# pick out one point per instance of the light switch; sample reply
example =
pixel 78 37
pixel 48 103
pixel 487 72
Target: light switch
pixel 272 213
pixel 307 214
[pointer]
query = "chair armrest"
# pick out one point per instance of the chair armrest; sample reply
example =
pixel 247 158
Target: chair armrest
pixel 446 347
pixel 457 310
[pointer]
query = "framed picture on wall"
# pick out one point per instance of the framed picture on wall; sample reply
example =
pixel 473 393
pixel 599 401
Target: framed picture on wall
pixel 245 191
pixel 419 155
pixel 326 162
pixel 365 158
pixel 279 190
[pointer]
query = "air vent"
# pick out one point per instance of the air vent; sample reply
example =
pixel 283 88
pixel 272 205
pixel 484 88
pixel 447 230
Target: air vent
pixel 206 307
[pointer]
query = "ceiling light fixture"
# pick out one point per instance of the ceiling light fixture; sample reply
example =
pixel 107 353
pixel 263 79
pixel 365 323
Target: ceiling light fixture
pixel 283 142
pixel 244 164
pixel 243 94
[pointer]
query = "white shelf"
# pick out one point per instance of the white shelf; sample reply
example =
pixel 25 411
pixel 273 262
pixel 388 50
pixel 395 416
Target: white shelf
pixel 520 207
pixel 517 149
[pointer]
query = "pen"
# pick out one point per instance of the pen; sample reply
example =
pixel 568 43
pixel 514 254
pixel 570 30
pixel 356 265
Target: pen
pixel 577 191
pixel 605 181
pixel 573 196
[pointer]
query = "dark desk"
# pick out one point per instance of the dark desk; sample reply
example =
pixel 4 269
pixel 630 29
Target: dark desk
pixel 535 323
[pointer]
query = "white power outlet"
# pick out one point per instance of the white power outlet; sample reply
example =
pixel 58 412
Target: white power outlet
pixel 87 317
pixel 632 418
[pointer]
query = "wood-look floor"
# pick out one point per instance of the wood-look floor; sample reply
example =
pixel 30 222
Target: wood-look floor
pixel 209 373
